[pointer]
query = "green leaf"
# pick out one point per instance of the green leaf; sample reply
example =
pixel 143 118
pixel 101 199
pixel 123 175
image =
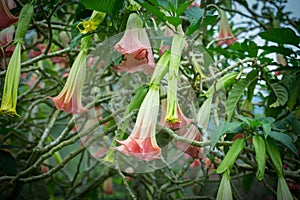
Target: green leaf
pixel 183 7
pixel 136 101
pixel 224 191
pixel 250 47
pixel 238 90
pixel 260 156
pixel 294 92
pixel 246 120
pixel 225 81
pixel 172 5
pixel 281 95
pixel 8 165
pixel 174 20
pixel 248 181
pixel 281 36
pixel 247 104
pixel 203 57
pixel 210 20
pixel 246 48
pixel 110 7
pixel 221 130
pixel 194 15
pixel 154 9
pixel 284 139
pixel 274 154
pixel 281 50
pixel 24 21
pixel 266 125
pixel 203 115
pixel 227 163
pixel 76 40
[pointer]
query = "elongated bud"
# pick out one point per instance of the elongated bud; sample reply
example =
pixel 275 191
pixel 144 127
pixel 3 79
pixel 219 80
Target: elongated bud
pixel 283 191
pixel 274 154
pixel 260 156
pixel 12 79
pixel 231 155
pixel 224 191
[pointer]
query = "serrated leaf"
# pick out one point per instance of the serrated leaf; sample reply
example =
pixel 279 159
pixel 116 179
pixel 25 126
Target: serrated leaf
pixel 219 131
pixel 285 140
pixel 281 95
pixel 237 92
pixel 281 36
pixel 227 163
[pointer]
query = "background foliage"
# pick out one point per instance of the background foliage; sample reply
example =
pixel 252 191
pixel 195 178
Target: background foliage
pixel 262 100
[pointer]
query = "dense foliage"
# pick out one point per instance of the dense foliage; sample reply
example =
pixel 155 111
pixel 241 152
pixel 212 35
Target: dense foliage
pixel 149 99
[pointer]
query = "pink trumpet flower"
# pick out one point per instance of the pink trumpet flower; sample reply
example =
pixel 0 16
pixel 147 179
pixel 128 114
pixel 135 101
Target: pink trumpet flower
pixel 69 99
pixel 136 48
pixel 182 119
pixel 142 142
pixel 225 34
pixel 6 17
pixel 191 134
